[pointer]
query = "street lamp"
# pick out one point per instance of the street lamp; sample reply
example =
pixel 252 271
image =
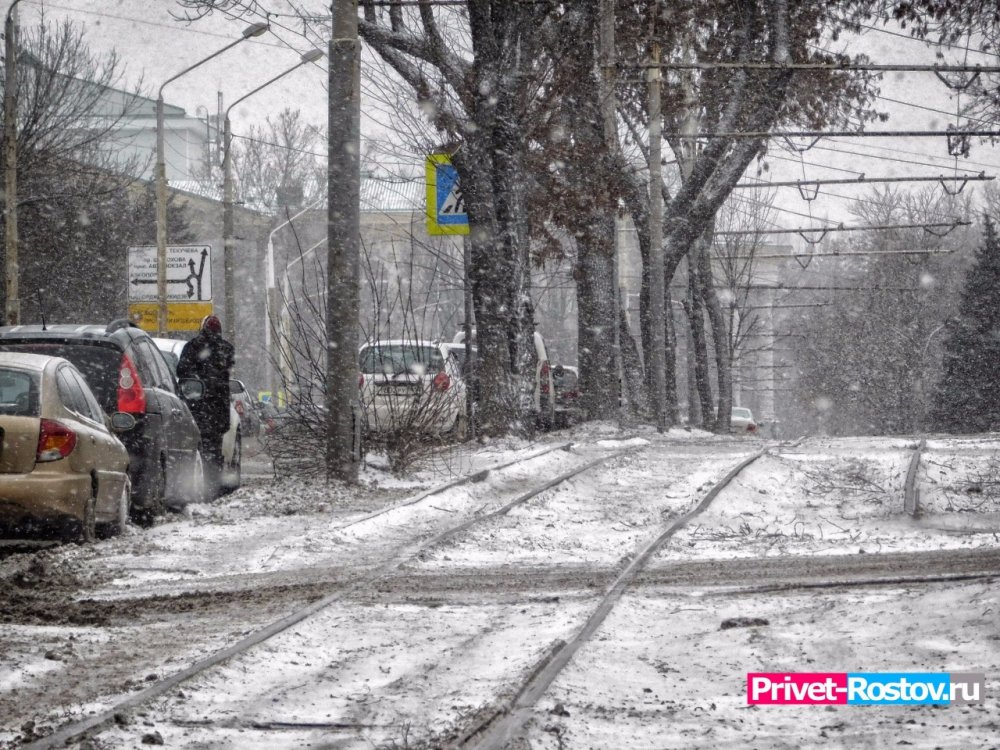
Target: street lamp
pixel 228 241
pixel 286 314
pixel 12 313
pixel 161 179
pixel 271 300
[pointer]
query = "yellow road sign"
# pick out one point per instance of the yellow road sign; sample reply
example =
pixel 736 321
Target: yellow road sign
pixel 181 316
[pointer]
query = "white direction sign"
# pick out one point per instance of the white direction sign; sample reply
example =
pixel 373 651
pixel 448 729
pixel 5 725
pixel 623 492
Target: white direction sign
pixel 189 273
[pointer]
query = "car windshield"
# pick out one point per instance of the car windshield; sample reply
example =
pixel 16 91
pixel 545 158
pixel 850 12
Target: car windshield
pixel 396 359
pixel 18 392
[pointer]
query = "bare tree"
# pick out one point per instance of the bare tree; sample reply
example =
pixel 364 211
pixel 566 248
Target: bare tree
pixel 278 164
pixel 728 102
pixel 78 199
pixel 868 357
pixel 72 105
pixel 404 299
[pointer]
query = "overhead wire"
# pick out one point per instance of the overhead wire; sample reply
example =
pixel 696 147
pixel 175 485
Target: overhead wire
pixel 927 42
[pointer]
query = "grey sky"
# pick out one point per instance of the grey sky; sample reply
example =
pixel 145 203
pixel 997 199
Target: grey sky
pixel 156 46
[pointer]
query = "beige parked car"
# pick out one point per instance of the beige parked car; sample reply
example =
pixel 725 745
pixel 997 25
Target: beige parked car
pixel 61 466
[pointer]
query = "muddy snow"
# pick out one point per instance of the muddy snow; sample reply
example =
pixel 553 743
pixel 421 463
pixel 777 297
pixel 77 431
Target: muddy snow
pixel 806 562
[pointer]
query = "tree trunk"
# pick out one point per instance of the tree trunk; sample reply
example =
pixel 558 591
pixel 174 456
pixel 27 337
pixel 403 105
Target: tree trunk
pixel 634 385
pixel 694 305
pixel 720 333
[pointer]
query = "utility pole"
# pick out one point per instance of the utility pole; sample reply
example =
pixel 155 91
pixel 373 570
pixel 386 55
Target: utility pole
pixel 657 291
pixel 609 115
pixel 344 241
pixel 12 313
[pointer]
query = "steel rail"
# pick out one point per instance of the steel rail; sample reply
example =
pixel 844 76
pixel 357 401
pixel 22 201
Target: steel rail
pixel 78 729
pixel 477 476
pixel 500 728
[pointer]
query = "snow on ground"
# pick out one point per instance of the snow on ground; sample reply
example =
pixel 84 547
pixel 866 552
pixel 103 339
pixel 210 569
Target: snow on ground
pixel 680 678
pixel 842 496
pixel 405 660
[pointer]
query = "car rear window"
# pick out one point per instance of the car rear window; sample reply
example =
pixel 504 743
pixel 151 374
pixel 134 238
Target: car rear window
pixel 98 364
pixel 741 413
pixel 396 359
pixel 18 392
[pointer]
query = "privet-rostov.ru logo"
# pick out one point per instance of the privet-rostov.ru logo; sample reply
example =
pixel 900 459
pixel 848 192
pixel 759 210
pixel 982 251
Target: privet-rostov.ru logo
pixel 865 688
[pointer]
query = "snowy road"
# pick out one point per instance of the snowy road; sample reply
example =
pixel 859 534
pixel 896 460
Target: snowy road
pixel 421 643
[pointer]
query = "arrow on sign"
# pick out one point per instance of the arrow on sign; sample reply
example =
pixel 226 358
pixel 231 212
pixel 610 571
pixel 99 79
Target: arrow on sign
pixel 153 281
pixel 193 275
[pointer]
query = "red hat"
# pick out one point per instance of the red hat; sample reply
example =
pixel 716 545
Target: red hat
pixel 211 323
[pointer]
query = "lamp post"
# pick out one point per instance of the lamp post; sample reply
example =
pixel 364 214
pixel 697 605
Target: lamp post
pixel 12 312
pixel 228 241
pixel 286 315
pixel 272 322
pixel 161 179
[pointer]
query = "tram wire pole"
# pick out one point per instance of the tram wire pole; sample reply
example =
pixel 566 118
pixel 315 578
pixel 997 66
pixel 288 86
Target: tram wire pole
pixel 344 242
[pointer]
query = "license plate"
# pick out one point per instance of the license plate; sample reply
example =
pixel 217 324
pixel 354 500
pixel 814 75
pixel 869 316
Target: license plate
pixel 400 389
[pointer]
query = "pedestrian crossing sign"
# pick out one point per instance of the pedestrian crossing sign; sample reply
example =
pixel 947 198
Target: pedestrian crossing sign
pixel 445 207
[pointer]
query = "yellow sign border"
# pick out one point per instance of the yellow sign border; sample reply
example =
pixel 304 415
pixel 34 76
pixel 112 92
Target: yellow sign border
pixel 433 227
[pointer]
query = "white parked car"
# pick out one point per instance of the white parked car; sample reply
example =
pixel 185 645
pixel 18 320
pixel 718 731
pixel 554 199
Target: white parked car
pixel 742 421
pixel 543 397
pixel 412 385
pixel 232 441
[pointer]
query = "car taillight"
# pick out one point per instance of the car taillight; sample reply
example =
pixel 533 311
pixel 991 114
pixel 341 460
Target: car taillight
pixel 361 382
pixel 239 408
pixel 751 428
pixel 55 441
pixel 131 396
pixel 545 377
pixel 442 382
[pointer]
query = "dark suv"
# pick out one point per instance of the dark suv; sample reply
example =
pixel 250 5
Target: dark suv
pixel 127 373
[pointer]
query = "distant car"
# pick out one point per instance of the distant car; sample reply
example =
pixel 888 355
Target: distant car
pixel 469 370
pixel 741 420
pixel 271 418
pixel 566 386
pixel 246 407
pixel 414 385
pixel 127 373
pixel 543 402
pixel 232 441
pixel 61 467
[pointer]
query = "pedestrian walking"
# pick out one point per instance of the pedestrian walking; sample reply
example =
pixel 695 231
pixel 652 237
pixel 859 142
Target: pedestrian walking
pixel 209 358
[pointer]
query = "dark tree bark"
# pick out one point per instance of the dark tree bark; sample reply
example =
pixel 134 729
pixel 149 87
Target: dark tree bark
pixel 593 227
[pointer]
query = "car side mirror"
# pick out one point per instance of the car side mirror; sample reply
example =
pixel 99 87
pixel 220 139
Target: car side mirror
pixel 191 389
pixel 121 421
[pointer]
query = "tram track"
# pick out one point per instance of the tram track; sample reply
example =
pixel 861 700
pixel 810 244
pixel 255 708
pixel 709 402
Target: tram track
pixel 78 729
pixel 501 728
pixel 689 465
pixel 441 570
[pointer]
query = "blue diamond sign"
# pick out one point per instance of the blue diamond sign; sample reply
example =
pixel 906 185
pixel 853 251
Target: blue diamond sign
pixel 445 206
